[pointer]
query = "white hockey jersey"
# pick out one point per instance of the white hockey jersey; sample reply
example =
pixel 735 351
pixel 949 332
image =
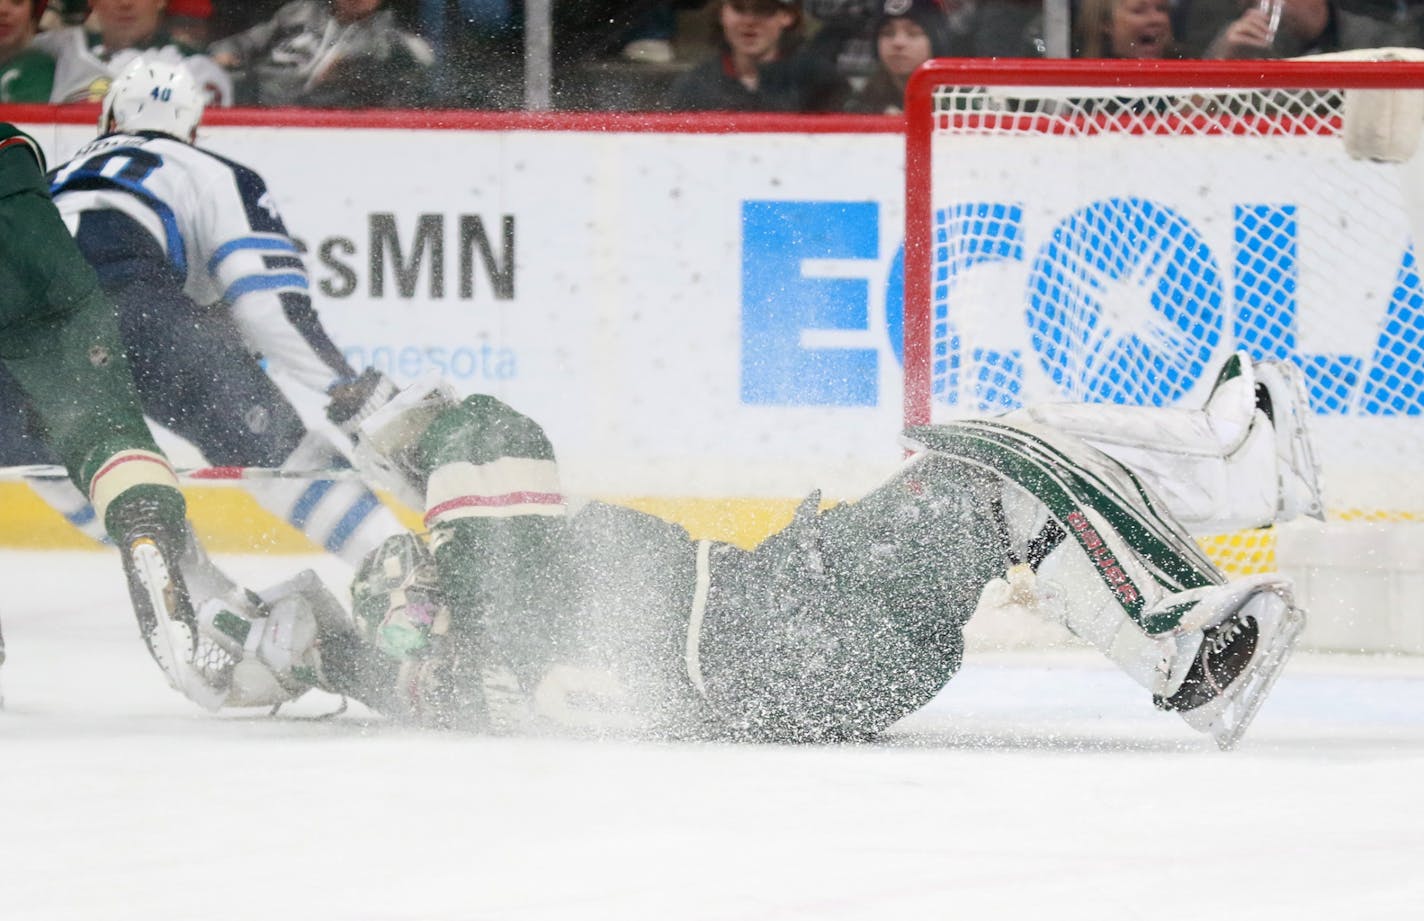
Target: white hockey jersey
pixel 84 68
pixel 220 229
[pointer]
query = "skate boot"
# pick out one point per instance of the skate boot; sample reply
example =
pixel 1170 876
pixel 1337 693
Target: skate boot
pixel 1280 395
pixel 146 522
pixel 1238 659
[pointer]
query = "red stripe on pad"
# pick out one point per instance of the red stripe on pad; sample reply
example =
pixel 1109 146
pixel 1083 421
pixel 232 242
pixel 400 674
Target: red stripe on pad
pixel 501 501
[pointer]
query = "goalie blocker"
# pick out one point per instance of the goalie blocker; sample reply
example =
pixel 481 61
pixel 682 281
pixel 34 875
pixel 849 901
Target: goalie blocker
pixel 528 612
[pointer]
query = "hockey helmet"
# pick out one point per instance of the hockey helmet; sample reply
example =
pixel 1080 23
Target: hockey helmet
pixel 153 96
pixel 397 600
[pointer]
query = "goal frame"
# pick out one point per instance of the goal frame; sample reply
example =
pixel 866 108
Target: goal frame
pixel 920 124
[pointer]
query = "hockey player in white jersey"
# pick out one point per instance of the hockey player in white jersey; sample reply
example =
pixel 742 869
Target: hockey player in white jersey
pixel 528 612
pixel 193 249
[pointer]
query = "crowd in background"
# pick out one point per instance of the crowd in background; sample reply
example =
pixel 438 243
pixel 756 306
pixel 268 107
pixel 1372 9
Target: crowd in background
pixel 736 55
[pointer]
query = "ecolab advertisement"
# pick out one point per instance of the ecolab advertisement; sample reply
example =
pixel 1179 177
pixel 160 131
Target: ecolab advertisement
pixel 720 314
pixel 1128 274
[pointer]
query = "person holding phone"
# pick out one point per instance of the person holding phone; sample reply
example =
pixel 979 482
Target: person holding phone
pixel 1255 28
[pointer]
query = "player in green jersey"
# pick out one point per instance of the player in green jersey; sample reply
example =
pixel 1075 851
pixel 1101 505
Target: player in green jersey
pixel 59 339
pixel 525 610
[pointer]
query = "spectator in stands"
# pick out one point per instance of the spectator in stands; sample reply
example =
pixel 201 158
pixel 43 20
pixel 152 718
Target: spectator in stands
pixel 64 13
pixel 233 16
pixel 85 62
pixel 848 30
pixel 650 39
pixel 188 21
pixel 760 66
pixel 845 37
pixel 478 47
pixel 1125 29
pixel 26 73
pixel 1008 29
pixel 1254 28
pixel 907 33
pixel 329 54
pixel 1379 23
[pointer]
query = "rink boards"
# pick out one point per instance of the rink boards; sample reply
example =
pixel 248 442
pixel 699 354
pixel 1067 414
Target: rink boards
pixel 704 314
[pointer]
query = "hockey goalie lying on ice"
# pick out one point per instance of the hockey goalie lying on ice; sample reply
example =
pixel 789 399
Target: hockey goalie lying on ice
pixel 519 611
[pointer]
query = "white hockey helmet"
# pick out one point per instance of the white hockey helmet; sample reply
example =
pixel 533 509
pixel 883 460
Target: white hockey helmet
pixel 153 96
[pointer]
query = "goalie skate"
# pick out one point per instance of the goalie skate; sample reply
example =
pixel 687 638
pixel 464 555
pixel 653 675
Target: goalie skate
pixel 1238 661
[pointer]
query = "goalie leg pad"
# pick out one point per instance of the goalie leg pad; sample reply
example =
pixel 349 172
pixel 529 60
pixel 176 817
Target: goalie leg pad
pixel 1281 398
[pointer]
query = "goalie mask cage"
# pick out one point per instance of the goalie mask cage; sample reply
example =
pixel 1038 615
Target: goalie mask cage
pixel 1112 230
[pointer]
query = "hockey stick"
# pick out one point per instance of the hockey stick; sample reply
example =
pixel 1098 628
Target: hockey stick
pixel 220 474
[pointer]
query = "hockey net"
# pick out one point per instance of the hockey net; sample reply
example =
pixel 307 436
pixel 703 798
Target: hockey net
pixel 1110 231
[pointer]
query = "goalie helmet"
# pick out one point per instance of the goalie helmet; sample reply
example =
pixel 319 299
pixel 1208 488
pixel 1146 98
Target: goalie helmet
pixel 397 600
pixel 153 96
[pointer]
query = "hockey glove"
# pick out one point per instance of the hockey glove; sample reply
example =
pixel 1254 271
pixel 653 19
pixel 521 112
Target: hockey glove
pixel 354 399
pixel 265 649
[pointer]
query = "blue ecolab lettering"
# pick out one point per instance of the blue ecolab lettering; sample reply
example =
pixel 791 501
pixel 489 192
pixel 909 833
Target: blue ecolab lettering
pixel 779 303
pixel 1395 383
pixel 966 234
pixel 1390 382
pixel 1092 352
pixel 1264 250
pixel 1085 286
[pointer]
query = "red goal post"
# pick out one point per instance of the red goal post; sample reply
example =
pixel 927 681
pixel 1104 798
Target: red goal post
pixel 1111 230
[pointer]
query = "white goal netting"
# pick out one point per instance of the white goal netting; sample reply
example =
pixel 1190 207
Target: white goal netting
pixel 1103 232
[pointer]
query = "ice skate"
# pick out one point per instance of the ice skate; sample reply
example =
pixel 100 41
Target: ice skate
pixel 1236 664
pixel 147 524
pixel 1280 395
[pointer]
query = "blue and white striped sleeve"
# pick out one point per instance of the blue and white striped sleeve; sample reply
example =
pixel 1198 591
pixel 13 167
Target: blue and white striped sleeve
pixel 261 274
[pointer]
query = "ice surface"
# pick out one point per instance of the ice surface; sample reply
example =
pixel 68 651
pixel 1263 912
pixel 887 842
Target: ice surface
pixel 1039 786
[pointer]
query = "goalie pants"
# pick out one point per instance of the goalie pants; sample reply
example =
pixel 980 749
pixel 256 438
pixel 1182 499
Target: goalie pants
pixel 851 618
